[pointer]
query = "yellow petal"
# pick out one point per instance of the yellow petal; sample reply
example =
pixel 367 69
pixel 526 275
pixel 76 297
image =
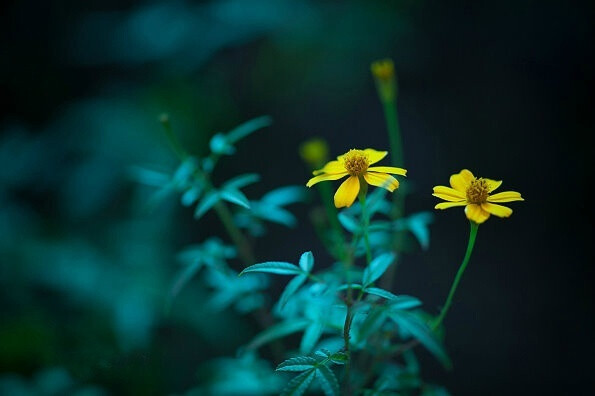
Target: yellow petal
pixel 347 192
pixel 492 184
pixel 496 210
pixel 461 181
pixel 505 196
pixel 446 205
pixel 475 213
pixel 388 169
pixel 374 156
pixel 325 177
pixel 331 167
pixel 449 194
pixel 382 180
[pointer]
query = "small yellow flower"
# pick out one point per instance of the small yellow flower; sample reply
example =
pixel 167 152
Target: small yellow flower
pixel 474 193
pixel 356 165
pixel 383 69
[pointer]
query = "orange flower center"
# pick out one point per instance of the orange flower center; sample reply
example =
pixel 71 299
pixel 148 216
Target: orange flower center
pixel 477 192
pixel 356 162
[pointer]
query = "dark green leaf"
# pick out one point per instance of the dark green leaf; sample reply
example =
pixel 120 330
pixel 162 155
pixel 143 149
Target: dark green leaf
pixel 380 292
pixel 274 214
pixel 298 385
pixel 328 381
pixel 413 325
pixel 191 195
pixel 405 302
pixel 311 336
pixel 349 223
pixel 291 288
pixel 274 267
pixel 377 268
pixel 206 203
pixel 339 357
pixel 300 363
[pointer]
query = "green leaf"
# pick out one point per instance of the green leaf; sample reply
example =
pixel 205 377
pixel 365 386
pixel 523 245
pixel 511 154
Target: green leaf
pixel 349 223
pixel 339 357
pixel 274 214
pixel 372 323
pixel 241 181
pixel 405 302
pixel 291 288
pixel 248 127
pixel 307 261
pixel 206 203
pixel 277 331
pixel 311 336
pixel 285 195
pixel 274 267
pixel 413 325
pixel 235 196
pixel 381 293
pixel 298 385
pixel 219 144
pixel 191 195
pixel 300 363
pixel 377 268
pixel 184 277
pixel 328 381
pixel 148 177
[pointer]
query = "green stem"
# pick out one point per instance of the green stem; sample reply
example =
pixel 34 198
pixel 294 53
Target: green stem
pixel 172 138
pixel 331 212
pixel 394 132
pixel 244 249
pixel 453 288
pixel 366 223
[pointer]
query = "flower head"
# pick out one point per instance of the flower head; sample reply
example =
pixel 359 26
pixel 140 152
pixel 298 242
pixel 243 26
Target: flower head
pixel 474 193
pixel 356 164
pixel 384 75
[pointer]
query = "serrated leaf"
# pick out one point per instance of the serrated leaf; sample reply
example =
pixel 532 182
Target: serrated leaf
pixel 298 385
pixel 311 336
pixel 381 293
pixel 339 358
pixel 206 203
pixel 235 196
pixel 323 353
pixel 277 331
pixel 274 267
pixel 248 127
pixel 328 381
pixel 241 181
pixel 285 195
pixel 291 288
pixel 306 261
pixel 300 363
pixel 377 268
pixel 420 330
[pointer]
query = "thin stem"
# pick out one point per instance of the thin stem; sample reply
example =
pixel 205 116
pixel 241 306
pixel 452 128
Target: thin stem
pixel 366 224
pixel 172 138
pixel 453 288
pixel 331 213
pixel 244 249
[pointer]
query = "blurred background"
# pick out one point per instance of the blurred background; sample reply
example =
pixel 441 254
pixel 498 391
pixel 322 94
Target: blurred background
pixel 502 88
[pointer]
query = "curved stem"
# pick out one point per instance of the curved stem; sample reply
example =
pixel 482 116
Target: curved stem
pixel 453 288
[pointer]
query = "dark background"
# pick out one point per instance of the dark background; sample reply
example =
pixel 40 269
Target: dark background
pixel 502 88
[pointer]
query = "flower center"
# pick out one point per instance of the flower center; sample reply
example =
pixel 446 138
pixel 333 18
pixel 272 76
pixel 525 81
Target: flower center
pixel 477 192
pixel 356 162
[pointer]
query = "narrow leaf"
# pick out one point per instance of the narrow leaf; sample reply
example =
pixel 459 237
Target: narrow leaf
pixel 419 330
pixel 301 363
pixel 277 331
pixel 328 381
pixel 377 268
pixel 349 223
pixel 307 261
pixel 274 267
pixel 405 302
pixel 248 127
pixel 241 181
pixel 381 293
pixel 291 288
pixel 235 196
pixel 285 195
pixel 206 203
pixel 298 385
pixel 275 214
pixel 311 336
pixel 191 195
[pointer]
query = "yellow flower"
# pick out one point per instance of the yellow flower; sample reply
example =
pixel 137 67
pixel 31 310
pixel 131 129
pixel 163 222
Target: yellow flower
pixel 356 165
pixel 383 69
pixel 474 193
